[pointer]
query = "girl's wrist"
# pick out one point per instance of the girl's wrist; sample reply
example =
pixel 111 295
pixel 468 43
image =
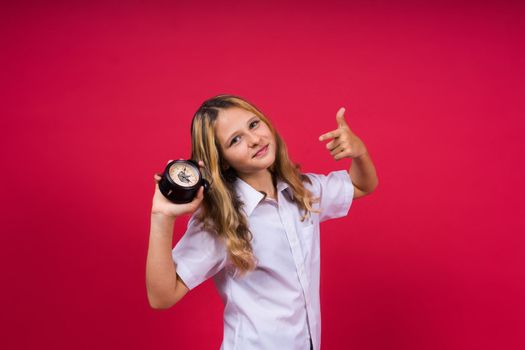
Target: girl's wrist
pixel 161 225
pixel 162 217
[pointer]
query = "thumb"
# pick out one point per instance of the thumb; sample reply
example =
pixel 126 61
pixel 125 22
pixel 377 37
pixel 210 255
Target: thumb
pixel 196 201
pixel 340 118
pixel 200 194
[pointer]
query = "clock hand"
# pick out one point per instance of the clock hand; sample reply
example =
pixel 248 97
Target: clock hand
pixel 183 177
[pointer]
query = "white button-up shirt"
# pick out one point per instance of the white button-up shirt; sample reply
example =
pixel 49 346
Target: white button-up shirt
pixel 277 305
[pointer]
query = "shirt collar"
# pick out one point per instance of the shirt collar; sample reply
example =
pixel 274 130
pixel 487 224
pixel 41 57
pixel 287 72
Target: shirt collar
pixel 251 197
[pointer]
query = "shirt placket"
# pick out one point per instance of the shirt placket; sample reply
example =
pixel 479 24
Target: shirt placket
pixel 298 258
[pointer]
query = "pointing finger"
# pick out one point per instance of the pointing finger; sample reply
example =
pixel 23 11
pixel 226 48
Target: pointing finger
pixel 330 135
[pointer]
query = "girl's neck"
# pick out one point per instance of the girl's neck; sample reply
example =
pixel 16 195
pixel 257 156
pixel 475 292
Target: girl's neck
pixel 262 182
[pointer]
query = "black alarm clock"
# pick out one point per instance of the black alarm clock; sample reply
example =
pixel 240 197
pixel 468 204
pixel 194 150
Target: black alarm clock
pixel 181 181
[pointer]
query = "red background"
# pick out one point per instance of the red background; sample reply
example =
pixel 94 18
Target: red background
pixel 98 97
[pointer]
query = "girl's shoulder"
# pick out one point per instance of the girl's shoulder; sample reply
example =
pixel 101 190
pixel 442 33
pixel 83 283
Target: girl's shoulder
pixel 334 180
pixel 310 179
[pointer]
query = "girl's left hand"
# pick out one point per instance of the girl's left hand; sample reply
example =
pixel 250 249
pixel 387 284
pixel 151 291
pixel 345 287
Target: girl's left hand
pixel 345 143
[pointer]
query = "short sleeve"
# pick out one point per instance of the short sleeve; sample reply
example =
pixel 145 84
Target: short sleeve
pixel 336 192
pixel 198 255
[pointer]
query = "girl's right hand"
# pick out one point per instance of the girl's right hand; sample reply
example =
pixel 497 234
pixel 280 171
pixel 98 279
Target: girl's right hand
pixel 161 205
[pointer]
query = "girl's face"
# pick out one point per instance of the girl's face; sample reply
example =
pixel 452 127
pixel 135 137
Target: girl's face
pixel 241 135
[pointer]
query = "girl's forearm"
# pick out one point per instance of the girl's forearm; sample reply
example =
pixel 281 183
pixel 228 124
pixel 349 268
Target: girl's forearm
pixel 161 277
pixel 363 173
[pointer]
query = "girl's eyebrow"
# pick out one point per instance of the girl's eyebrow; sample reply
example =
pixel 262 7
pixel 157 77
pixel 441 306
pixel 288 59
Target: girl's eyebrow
pixel 236 131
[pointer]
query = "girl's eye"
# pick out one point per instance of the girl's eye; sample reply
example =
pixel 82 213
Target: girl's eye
pixel 252 125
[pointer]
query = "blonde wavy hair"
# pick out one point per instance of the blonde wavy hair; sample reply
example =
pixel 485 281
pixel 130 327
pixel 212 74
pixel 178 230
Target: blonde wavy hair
pixel 220 209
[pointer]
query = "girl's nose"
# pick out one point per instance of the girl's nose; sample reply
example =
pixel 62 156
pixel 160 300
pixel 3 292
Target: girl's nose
pixel 254 139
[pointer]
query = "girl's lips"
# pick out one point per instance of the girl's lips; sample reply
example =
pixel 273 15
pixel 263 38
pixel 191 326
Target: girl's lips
pixel 261 152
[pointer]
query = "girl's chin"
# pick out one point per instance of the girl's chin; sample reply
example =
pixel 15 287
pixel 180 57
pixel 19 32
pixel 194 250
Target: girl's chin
pixel 265 161
pixel 262 164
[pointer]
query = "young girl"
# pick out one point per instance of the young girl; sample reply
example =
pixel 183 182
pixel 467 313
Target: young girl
pixel 256 232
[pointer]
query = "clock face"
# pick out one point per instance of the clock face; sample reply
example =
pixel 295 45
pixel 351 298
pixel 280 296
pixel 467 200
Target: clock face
pixel 184 174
